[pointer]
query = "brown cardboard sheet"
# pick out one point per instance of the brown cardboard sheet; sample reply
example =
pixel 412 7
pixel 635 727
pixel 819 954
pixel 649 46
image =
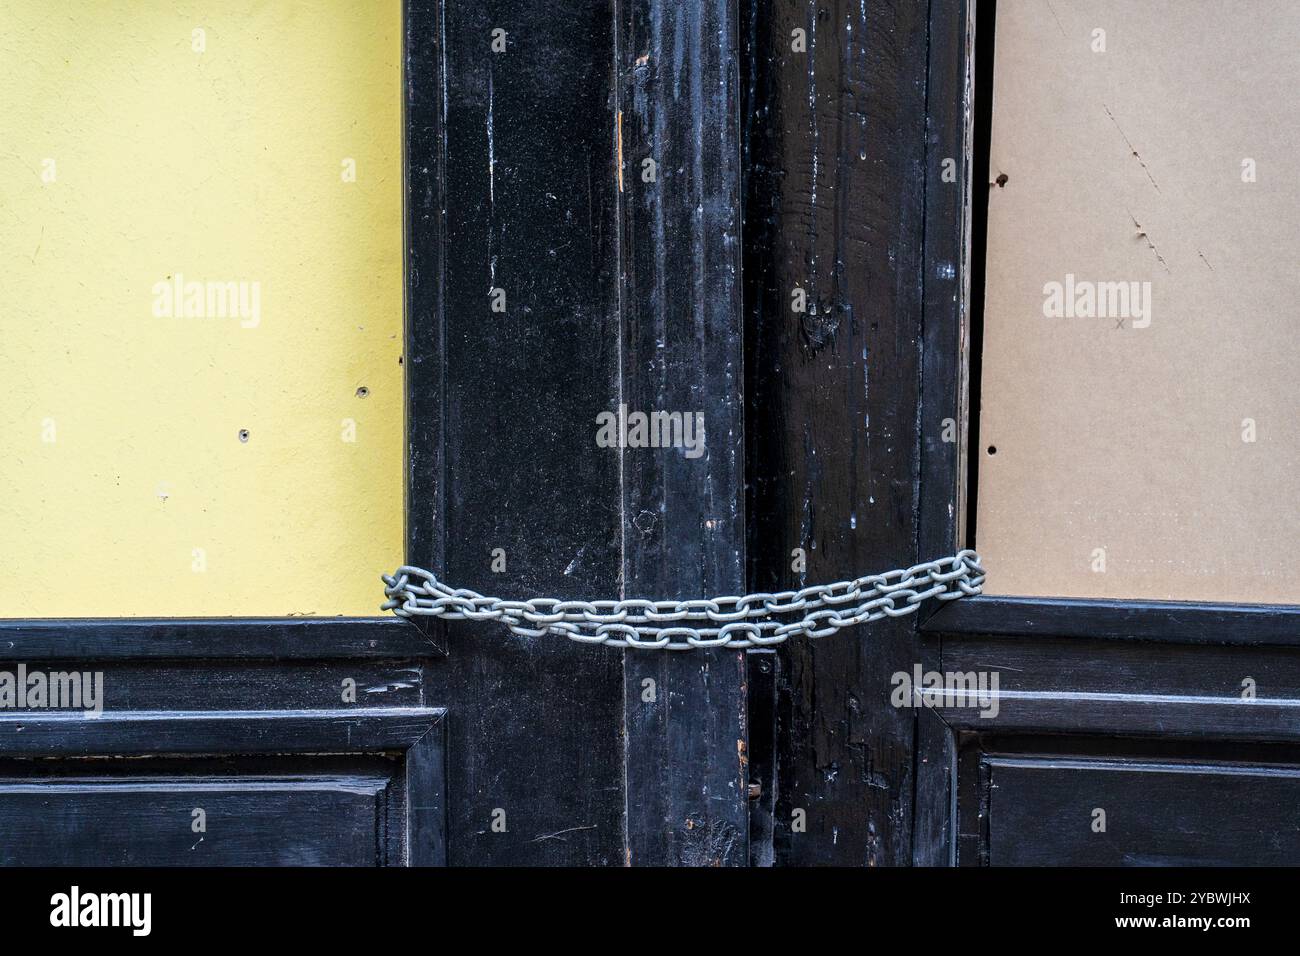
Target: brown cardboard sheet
pixel 1140 397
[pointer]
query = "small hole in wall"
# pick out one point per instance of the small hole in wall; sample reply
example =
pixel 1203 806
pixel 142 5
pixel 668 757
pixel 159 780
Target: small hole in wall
pixel 362 392
pixel 243 434
pixel 1001 180
pixel 993 449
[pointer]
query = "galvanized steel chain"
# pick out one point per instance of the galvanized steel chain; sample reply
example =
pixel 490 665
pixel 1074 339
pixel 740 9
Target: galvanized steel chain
pixel 753 620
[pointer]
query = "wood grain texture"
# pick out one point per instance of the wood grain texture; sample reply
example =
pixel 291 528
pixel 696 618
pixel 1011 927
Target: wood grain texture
pixel 1041 813
pixel 835 151
pixel 520 196
pixel 683 516
pixel 944 369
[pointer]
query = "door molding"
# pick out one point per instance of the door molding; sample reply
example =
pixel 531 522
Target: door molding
pixel 1175 621
pixel 415 734
pixel 229 638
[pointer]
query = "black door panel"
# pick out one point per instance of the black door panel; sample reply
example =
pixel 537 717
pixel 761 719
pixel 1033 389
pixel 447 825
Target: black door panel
pixel 125 815
pixel 1055 812
pixel 361 787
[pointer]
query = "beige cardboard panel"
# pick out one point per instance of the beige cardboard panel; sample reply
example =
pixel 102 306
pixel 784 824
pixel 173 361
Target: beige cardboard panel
pixel 1121 434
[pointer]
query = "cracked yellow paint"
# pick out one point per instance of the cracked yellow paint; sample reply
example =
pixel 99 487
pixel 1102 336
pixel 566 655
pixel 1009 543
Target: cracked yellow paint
pixel 200 307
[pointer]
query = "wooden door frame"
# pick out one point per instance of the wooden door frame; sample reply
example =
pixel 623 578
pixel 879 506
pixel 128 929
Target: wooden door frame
pixel 835 146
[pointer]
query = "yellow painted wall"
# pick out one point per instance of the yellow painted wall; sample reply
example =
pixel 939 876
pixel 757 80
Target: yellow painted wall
pixel 128 156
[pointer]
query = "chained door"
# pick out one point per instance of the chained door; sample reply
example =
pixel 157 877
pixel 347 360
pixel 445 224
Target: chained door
pixel 1017 726
pixel 601 302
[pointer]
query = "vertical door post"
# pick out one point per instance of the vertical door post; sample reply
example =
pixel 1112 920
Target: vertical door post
pixel 677 144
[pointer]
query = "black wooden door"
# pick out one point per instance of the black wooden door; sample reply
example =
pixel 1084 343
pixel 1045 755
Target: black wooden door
pixel 1128 732
pixel 1121 732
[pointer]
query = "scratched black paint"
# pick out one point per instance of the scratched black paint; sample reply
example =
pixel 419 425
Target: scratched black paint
pixel 834 144
pixel 526 200
pixel 683 351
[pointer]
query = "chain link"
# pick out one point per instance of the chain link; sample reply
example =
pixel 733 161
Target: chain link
pixel 754 620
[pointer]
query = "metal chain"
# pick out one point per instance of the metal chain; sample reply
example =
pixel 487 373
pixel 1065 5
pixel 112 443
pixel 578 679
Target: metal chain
pixel 754 620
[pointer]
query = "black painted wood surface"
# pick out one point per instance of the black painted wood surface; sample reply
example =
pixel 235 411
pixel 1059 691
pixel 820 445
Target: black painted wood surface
pixel 682 352
pixel 317 786
pixel 115 816
pixel 209 638
pixel 834 159
pixel 1059 812
pixel 525 198
pixel 1182 622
